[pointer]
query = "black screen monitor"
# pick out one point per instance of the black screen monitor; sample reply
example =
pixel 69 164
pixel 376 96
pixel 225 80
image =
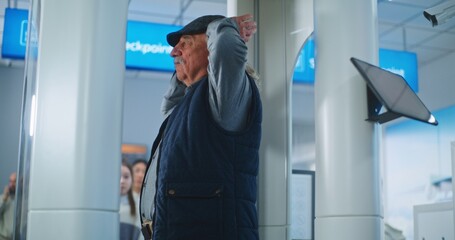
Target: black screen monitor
pixel 392 91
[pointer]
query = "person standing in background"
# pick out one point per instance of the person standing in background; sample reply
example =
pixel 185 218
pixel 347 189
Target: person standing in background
pixel 129 217
pixel 139 167
pixel 7 202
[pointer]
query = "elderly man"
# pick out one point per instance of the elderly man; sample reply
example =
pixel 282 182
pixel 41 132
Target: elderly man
pixel 201 179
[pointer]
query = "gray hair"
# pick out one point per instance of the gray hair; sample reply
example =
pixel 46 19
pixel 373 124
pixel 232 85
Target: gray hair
pixel 253 74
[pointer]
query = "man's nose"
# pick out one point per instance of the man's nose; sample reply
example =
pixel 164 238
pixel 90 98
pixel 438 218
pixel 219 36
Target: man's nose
pixel 175 52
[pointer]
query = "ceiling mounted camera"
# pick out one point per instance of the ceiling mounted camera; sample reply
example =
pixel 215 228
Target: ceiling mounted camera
pixel 440 13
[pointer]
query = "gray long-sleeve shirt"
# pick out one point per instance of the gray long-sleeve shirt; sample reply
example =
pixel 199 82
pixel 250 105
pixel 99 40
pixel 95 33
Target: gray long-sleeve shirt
pixel 229 88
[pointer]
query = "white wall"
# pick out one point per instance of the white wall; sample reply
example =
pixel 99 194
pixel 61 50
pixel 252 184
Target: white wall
pixel 11 85
pixel 141 111
pixel 415 155
pixel 438 79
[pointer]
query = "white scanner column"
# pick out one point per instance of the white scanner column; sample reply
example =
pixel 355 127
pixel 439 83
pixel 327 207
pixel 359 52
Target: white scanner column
pixel 348 196
pixel 283 27
pixel 75 158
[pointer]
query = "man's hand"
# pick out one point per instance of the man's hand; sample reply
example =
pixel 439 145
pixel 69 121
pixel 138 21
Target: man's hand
pixel 247 26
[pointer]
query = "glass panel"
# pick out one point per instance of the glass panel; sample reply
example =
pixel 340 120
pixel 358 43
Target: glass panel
pixel 303 130
pixel 303 144
pixel 28 121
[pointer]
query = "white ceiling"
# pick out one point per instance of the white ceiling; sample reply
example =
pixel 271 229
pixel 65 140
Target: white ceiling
pixel 402 25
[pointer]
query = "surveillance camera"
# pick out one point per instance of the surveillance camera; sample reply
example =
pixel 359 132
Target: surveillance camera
pixel 440 13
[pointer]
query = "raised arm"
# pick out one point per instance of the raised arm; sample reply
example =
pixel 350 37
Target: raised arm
pixel 230 90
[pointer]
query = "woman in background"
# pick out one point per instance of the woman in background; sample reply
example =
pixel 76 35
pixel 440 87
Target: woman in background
pixel 139 167
pixel 129 219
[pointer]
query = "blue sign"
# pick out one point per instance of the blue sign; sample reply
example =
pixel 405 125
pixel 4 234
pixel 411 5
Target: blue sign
pixel 399 62
pixel 146 45
pixel 147 48
pixel 304 68
pixel 14 33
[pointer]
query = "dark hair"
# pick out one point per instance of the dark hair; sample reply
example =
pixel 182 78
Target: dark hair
pixel 140 160
pixel 130 191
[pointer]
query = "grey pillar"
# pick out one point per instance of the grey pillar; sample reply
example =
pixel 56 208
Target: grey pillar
pixel 75 137
pixel 348 196
pixel 283 26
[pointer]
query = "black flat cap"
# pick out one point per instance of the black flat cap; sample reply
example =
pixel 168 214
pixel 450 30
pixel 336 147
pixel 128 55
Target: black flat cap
pixel 197 26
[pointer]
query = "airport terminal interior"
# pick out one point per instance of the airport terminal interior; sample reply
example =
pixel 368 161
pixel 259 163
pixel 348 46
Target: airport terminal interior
pixel 415 159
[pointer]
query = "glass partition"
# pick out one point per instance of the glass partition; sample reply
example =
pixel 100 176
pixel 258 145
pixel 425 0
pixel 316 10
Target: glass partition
pixel 27 121
pixel 303 145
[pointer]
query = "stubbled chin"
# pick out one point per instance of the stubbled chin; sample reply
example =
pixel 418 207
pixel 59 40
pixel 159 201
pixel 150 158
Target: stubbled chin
pixel 180 75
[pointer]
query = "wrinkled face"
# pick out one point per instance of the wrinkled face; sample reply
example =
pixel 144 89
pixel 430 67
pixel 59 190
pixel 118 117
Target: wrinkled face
pixel 191 58
pixel 125 180
pixel 138 173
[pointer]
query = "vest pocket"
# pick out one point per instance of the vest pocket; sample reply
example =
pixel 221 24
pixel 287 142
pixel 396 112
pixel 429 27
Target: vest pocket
pixel 194 210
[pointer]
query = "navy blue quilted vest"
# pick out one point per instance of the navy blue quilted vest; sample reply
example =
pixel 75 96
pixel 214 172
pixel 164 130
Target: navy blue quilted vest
pixel 207 185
